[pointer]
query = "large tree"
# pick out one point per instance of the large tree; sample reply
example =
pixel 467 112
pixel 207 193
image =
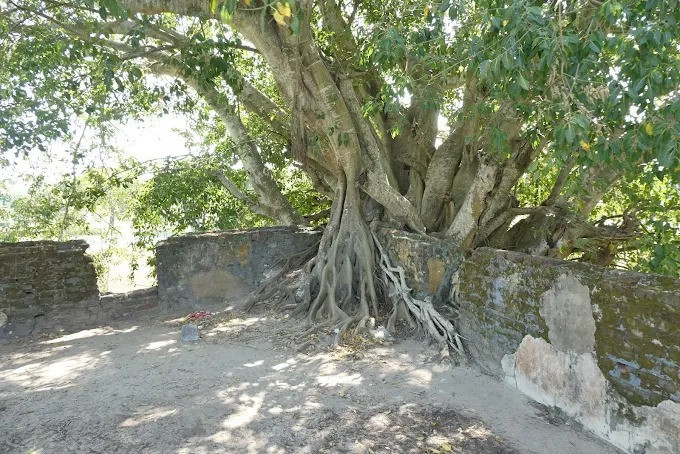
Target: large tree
pixel 501 123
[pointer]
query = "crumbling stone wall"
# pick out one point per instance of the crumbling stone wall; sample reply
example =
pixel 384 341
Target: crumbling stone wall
pixel 224 266
pixel 602 345
pixel 44 273
pixel 41 277
pixel 631 320
pixel 48 286
pixel 429 265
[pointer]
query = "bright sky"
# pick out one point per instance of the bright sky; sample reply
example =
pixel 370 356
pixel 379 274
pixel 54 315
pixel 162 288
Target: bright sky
pixel 154 138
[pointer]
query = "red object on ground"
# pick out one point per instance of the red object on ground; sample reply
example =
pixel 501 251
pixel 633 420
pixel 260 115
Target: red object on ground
pixel 199 315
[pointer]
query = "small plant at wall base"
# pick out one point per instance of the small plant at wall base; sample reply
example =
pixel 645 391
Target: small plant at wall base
pixel 544 127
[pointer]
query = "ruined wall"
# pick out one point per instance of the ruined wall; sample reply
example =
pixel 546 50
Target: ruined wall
pixel 602 345
pixel 631 320
pixel 44 273
pixel 48 286
pixel 41 277
pixel 428 263
pixel 222 266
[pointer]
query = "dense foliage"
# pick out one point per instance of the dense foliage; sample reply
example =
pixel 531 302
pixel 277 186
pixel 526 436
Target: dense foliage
pixel 544 127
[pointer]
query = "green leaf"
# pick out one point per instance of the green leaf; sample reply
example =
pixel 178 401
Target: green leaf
pixel 506 60
pixel 581 120
pixel 522 81
pixel 569 134
pixel 114 7
pixel 484 69
pixel 231 6
pixel 136 72
pixel 295 24
pixel 664 155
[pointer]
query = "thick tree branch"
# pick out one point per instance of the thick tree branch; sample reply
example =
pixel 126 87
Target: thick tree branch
pixel 256 102
pixel 440 173
pixel 466 223
pixel 396 204
pixel 367 136
pixel 264 184
pixel 514 168
pixel 179 7
pixel 343 38
pixel 561 180
pixel 236 192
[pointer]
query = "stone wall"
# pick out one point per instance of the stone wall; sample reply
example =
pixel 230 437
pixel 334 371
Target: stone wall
pixel 600 344
pixel 48 286
pixel 429 264
pixel 42 277
pixel 218 267
pixel 631 320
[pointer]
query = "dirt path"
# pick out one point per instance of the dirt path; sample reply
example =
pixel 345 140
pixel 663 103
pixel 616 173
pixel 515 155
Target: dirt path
pixel 244 389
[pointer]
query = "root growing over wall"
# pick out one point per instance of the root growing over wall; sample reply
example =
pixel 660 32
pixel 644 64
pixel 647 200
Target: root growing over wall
pixel 337 289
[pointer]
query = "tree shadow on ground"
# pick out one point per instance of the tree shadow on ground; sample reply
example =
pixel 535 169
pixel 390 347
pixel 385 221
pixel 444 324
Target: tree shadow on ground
pixel 243 388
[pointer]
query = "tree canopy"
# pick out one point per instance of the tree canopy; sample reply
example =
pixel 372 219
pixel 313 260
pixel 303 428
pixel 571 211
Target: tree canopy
pixel 544 127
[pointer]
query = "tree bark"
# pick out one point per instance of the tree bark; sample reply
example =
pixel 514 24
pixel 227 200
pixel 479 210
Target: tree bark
pixel 462 190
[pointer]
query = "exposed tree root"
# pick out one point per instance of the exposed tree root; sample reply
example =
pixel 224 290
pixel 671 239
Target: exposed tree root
pixel 416 312
pixel 336 290
pixel 339 286
pixel 280 281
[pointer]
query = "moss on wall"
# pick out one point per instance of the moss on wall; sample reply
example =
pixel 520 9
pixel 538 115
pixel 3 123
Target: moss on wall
pixel 36 275
pixel 637 317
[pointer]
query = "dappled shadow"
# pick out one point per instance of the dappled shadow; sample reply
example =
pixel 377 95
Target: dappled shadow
pixel 101 331
pixel 242 389
pixel 318 403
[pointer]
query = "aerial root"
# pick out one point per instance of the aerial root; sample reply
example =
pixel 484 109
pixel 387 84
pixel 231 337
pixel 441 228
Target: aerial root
pixel 341 281
pixel 276 283
pixel 341 328
pixel 365 324
pixel 426 316
pixel 338 283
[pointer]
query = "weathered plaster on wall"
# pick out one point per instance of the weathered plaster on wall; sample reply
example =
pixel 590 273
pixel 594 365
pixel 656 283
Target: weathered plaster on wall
pixel 502 296
pixel 436 269
pixel 567 380
pixel 568 314
pixel 564 373
pixel 574 383
pixel 217 285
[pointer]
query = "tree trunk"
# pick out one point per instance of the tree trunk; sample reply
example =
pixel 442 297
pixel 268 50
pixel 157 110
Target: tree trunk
pixel 461 190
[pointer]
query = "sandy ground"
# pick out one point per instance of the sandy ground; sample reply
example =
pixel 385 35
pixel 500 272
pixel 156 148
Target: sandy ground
pixel 244 388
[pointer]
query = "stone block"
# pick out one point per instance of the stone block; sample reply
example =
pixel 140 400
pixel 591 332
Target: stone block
pixel 189 334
